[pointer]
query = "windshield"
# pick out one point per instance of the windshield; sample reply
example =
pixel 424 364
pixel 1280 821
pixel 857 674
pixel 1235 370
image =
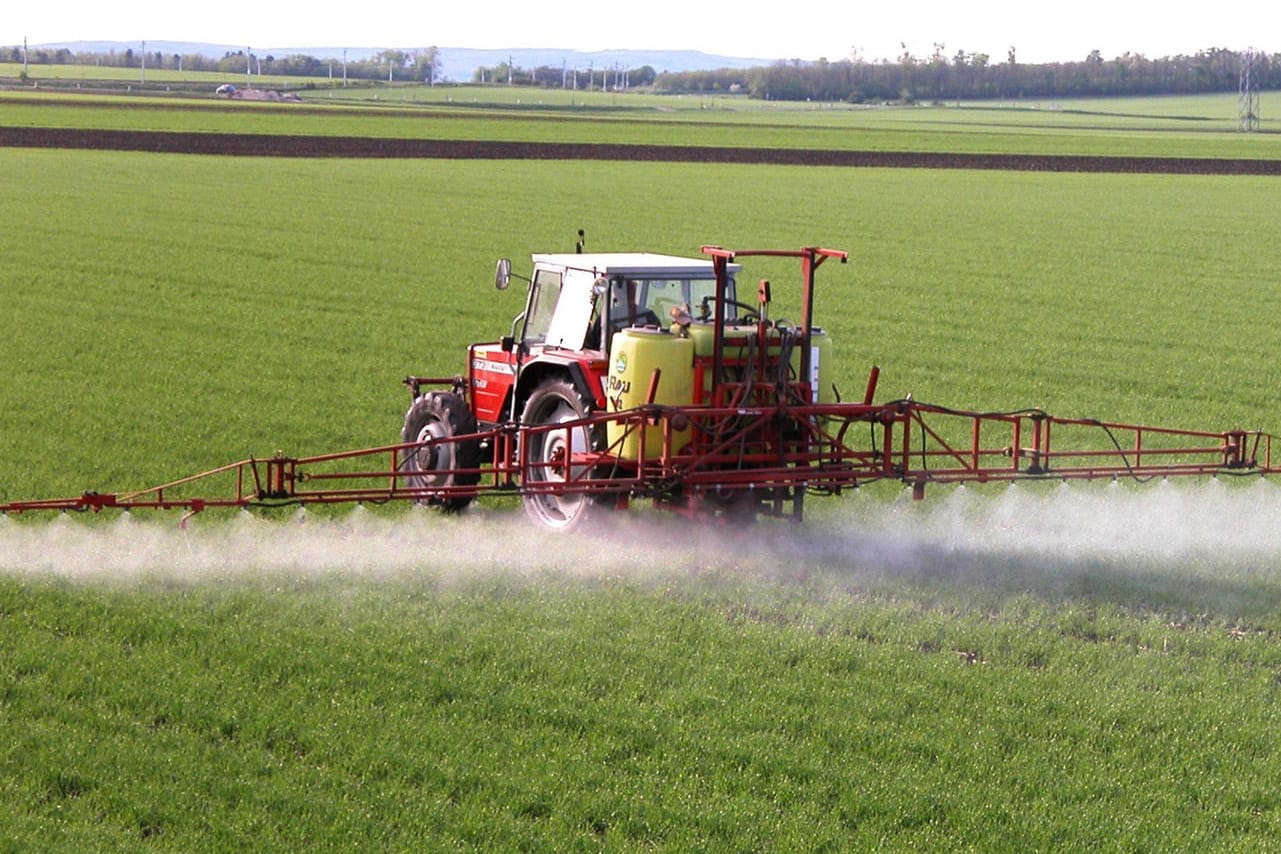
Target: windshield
pixel 650 301
pixel 705 289
pixel 543 294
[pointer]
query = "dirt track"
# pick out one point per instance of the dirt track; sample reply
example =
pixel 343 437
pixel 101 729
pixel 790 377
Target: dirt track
pixel 263 145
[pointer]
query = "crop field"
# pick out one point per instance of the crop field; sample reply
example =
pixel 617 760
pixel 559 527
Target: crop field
pixel 1027 668
pixel 11 72
pixel 1172 127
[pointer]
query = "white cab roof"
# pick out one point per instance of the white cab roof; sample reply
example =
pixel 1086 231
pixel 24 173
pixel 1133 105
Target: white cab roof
pixel 648 264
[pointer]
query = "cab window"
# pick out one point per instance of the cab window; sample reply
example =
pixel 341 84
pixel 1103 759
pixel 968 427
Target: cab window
pixel 543 294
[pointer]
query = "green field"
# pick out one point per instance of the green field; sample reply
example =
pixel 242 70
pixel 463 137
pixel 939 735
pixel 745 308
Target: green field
pixel 93 74
pixel 992 669
pixel 1202 126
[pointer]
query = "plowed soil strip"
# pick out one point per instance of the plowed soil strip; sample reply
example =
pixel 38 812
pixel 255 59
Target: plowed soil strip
pixel 274 145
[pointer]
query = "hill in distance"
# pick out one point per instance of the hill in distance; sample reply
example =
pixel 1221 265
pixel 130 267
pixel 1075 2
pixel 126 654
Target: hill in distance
pixel 456 63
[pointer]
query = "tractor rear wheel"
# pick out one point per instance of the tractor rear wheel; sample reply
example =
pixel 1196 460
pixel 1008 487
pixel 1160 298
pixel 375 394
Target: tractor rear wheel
pixel 433 419
pixel 556 401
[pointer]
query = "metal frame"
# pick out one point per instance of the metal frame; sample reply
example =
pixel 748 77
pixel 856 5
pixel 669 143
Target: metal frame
pixel 827 448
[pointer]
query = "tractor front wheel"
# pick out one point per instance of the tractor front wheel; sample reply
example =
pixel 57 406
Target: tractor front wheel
pixel 441 421
pixel 547 482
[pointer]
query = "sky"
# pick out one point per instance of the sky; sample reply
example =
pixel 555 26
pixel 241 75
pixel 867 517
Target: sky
pixel 801 29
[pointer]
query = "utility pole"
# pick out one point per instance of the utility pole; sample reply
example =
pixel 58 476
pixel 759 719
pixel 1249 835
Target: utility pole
pixel 1248 100
pixel 144 61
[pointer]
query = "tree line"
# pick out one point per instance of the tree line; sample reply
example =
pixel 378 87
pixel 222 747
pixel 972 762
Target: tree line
pixel 939 77
pixel 907 79
pixel 398 65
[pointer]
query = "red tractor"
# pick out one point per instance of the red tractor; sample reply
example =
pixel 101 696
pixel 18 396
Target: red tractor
pixel 590 320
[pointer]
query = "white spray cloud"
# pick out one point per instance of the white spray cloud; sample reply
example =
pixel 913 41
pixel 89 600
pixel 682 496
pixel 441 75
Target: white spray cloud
pixel 1020 535
pixel 1167 521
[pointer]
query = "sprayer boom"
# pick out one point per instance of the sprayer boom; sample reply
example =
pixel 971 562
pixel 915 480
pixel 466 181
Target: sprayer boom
pixel 704 457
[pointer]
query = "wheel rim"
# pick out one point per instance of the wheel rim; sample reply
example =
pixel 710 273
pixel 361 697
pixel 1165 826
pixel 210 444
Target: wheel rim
pixel 431 460
pixel 550 450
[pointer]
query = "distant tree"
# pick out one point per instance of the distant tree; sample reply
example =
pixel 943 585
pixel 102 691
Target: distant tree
pixel 643 76
pixel 425 65
pixel 394 58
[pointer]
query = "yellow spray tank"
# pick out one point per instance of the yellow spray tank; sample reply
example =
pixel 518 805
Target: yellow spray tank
pixel 634 355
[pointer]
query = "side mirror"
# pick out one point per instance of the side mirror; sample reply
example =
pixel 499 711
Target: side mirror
pixel 503 274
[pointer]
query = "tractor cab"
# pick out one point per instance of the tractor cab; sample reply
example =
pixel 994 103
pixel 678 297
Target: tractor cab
pixel 578 302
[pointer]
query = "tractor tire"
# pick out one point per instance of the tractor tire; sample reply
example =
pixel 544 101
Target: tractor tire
pixel 432 417
pixel 556 401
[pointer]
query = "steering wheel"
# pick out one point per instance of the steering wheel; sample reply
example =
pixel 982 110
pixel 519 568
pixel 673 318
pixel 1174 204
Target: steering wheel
pixel 644 317
pixel 751 314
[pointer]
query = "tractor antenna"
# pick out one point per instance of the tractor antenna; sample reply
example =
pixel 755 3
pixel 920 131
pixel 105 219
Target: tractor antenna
pixel 582 241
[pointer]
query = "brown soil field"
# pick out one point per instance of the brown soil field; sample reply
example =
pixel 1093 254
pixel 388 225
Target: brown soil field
pixel 266 145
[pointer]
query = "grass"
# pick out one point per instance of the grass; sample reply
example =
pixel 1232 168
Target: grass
pixel 1086 295
pixel 546 715
pixel 871 681
pixel 96 74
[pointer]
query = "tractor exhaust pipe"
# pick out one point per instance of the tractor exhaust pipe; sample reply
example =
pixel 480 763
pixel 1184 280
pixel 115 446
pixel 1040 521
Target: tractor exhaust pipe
pixel 871 385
